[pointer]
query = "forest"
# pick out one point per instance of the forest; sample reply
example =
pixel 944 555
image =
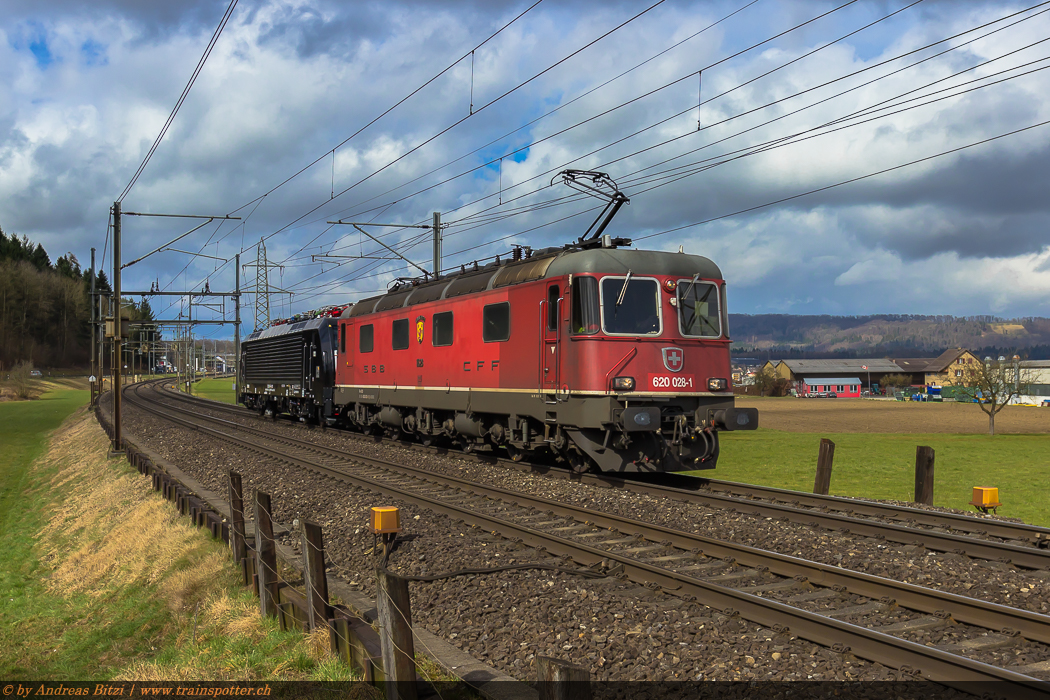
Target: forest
pixel 45 308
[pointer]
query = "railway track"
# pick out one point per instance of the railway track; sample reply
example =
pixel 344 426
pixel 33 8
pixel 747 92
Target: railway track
pixel 990 539
pixel 874 618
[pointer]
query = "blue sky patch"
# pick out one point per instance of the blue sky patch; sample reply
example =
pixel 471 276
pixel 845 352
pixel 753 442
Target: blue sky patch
pixel 94 53
pixel 39 49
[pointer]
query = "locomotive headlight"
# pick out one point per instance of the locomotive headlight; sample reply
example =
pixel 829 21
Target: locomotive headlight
pixel 623 383
pixel 717 384
pixel 670 286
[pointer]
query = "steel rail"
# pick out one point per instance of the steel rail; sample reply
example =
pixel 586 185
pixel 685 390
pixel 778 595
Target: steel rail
pixel 1019 555
pixel 985 614
pixel 938 665
pixel 988 526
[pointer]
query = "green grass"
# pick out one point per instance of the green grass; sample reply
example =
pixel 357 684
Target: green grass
pixel 26 426
pixel 882 466
pixel 215 389
pixel 137 625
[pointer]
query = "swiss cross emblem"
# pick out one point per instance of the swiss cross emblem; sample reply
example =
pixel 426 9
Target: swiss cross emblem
pixel 674 358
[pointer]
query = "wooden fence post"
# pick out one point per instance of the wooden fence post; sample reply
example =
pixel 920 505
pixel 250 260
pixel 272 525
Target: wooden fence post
pixel 236 517
pixel 560 680
pixel 924 475
pixel 265 555
pixel 314 576
pixel 395 636
pixel 825 459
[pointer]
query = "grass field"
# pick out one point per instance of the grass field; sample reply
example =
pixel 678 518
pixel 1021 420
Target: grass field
pixel 101 580
pixel 872 461
pixel 215 389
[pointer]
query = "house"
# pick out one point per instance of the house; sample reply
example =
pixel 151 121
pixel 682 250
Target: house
pixel 843 387
pixel 947 369
pixel 1039 376
pixel 870 371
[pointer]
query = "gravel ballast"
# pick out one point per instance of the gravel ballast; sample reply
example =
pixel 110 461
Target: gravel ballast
pixel 619 630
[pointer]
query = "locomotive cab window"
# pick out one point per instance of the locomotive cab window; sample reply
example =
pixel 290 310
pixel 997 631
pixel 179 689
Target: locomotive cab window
pixel 366 338
pixel 630 305
pixel 496 322
pixel 586 317
pixel 441 329
pixel 699 314
pixel 399 334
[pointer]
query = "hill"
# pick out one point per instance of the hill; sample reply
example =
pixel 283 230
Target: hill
pixel 880 335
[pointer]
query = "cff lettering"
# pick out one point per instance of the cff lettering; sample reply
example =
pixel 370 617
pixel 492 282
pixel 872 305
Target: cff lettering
pixel 493 365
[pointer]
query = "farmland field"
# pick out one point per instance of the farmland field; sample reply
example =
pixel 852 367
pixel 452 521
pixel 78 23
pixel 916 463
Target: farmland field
pixel 876 416
pixel 875 445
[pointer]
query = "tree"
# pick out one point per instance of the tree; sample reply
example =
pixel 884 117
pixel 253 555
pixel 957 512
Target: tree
pixel 767 382
pixel 994 383
pixel 896 380
pixel 22 379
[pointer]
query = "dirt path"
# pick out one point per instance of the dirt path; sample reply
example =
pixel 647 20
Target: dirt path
pixel 875 416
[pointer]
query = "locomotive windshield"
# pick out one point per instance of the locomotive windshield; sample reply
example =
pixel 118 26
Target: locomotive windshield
pixel 698 312
pixel 630 306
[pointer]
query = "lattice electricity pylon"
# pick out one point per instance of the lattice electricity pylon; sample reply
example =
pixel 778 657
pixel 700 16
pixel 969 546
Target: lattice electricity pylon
pixel 263 290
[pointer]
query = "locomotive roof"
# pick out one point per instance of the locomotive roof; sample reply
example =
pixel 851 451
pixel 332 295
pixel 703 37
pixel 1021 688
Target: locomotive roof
pixel 551 262
pixel 288 328
pixel 640 262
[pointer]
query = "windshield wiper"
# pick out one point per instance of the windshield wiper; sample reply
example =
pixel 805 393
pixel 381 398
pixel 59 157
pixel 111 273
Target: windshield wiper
pixel 689 289
pixel 623 290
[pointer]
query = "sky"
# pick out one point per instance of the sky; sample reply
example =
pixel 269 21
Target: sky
pixel 861 157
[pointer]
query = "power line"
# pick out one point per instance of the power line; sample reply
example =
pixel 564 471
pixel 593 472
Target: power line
pixel 761 148
pixel 543 174
pixel 388 110
pixel 545 205
pixel 615 108
pixel 475 112
pixel 182 98
pixel 716 63
pixel 841 183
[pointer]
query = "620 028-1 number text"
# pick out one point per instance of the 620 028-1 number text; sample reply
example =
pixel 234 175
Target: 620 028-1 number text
pixel 671 381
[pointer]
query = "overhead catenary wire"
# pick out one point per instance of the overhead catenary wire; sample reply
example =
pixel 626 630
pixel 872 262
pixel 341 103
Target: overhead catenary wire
pixel 182 98
pixel 844 182
pixel 477 111
pixel 386 112
pixel 543 174
pixel 850 2
pixel 258 200
pixel 784 199
pixel 554 169
pixel 544 205
pixel 559 62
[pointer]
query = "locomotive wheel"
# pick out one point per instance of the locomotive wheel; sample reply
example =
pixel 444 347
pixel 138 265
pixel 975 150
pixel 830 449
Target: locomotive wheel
pixel 579 463
pixel 516 455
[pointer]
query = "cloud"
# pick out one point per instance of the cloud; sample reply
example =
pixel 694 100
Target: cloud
pixel 291 79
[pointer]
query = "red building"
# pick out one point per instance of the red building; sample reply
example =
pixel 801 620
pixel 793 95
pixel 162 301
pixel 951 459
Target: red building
pixel 842 387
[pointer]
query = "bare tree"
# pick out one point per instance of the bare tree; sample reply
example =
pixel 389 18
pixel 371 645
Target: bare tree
pixel 995 383
pixel 767 382
pixel 22 380
pixel 896 380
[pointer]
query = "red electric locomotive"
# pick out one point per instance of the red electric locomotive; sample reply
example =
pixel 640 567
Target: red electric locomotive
pixel 604 356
